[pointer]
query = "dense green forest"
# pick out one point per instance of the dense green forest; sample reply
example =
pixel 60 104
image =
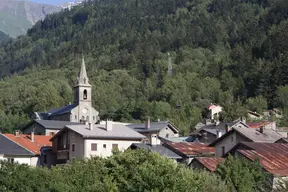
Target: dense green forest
pixel 231 52
pixel 134 171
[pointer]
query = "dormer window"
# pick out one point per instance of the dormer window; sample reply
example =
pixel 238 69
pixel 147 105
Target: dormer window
pixel 85 94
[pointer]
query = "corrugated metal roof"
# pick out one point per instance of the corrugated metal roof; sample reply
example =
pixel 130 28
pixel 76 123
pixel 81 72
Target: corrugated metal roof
pixel 256 125
pixel 190 149
pixel 209 162
pixel 273 156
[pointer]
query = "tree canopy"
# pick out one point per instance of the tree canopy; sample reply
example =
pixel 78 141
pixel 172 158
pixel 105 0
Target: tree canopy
pixel 229 52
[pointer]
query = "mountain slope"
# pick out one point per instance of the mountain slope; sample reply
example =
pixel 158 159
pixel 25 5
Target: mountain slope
pixel 221 51
pixel 18 16
pixel 3 36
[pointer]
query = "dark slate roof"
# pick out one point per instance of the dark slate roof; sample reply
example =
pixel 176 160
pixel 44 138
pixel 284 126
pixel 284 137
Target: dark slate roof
pixel 162 150
pixel 62 110
pixel 9 147
pixel 154 126
pixel 51 124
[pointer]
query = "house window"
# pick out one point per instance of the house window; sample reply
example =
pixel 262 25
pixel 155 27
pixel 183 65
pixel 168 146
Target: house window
pixel 223 151
pixel 114 146
pixel 87 118
pixel 75 116
pixel 85 94
pixel 93 118
pixel 104 146
pixel 11 160
pixel 73 147
pixel 167 135
pixel 93 146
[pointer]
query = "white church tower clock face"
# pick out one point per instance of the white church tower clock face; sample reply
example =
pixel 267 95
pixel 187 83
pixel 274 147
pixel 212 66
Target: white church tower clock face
pixel 84 111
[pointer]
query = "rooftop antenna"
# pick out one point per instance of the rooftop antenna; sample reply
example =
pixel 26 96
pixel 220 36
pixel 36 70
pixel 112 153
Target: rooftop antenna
pixel 169 65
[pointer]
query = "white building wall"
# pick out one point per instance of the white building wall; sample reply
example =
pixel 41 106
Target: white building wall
pixel 22 160
pixel 35 161
pixel 105 152
pixel 215 110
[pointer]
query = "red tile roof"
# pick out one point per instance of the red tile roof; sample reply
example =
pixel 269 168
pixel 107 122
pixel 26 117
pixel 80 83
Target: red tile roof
pixel 25 141
pixel 273 156
pixel 210 162
pixel 212 106
pixel 256 125
pixel 190 149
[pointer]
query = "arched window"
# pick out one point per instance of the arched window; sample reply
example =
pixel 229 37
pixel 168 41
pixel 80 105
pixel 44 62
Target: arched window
pixel 83 118
pixel 87 118
pixel 85 94
pixel 93 118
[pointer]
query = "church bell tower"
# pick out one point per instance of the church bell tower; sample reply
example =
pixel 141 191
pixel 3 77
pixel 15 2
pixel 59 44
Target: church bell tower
pixel 82 90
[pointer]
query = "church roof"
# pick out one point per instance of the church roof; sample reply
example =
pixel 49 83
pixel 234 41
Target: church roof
pixel 82 76
pixel 62 110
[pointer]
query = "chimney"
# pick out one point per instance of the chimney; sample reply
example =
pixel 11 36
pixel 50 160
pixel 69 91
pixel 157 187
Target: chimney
pixel 90 126
pixel 153 139
pixel 243 119
pixel 218 134
pixel 109 125
pixel 32 136
pixel 227 128
pixel 261 130
pixel 17 133
pixel 147 126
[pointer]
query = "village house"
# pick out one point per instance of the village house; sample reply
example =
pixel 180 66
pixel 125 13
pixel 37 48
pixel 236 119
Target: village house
pixel 240 134
pixel 209 133
pixel 164 129
pixel 189 151
pixel 86 140
pixel 252 115
pixel 206 163
pixel 273 157
pixel 33 150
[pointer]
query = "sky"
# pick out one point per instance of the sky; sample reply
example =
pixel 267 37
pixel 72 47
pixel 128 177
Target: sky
pixel 52 2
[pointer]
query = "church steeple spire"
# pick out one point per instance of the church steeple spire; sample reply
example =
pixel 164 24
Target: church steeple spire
pixel 82 76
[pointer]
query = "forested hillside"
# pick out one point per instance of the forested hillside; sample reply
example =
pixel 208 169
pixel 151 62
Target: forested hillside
pixel 222 51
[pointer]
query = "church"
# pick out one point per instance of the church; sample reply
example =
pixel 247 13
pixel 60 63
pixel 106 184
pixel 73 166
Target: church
pixel 81 111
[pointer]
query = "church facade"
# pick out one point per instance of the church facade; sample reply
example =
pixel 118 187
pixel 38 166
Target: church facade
pixel 80 111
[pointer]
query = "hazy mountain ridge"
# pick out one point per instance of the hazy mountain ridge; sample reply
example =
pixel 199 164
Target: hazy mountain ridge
pixel 18 16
